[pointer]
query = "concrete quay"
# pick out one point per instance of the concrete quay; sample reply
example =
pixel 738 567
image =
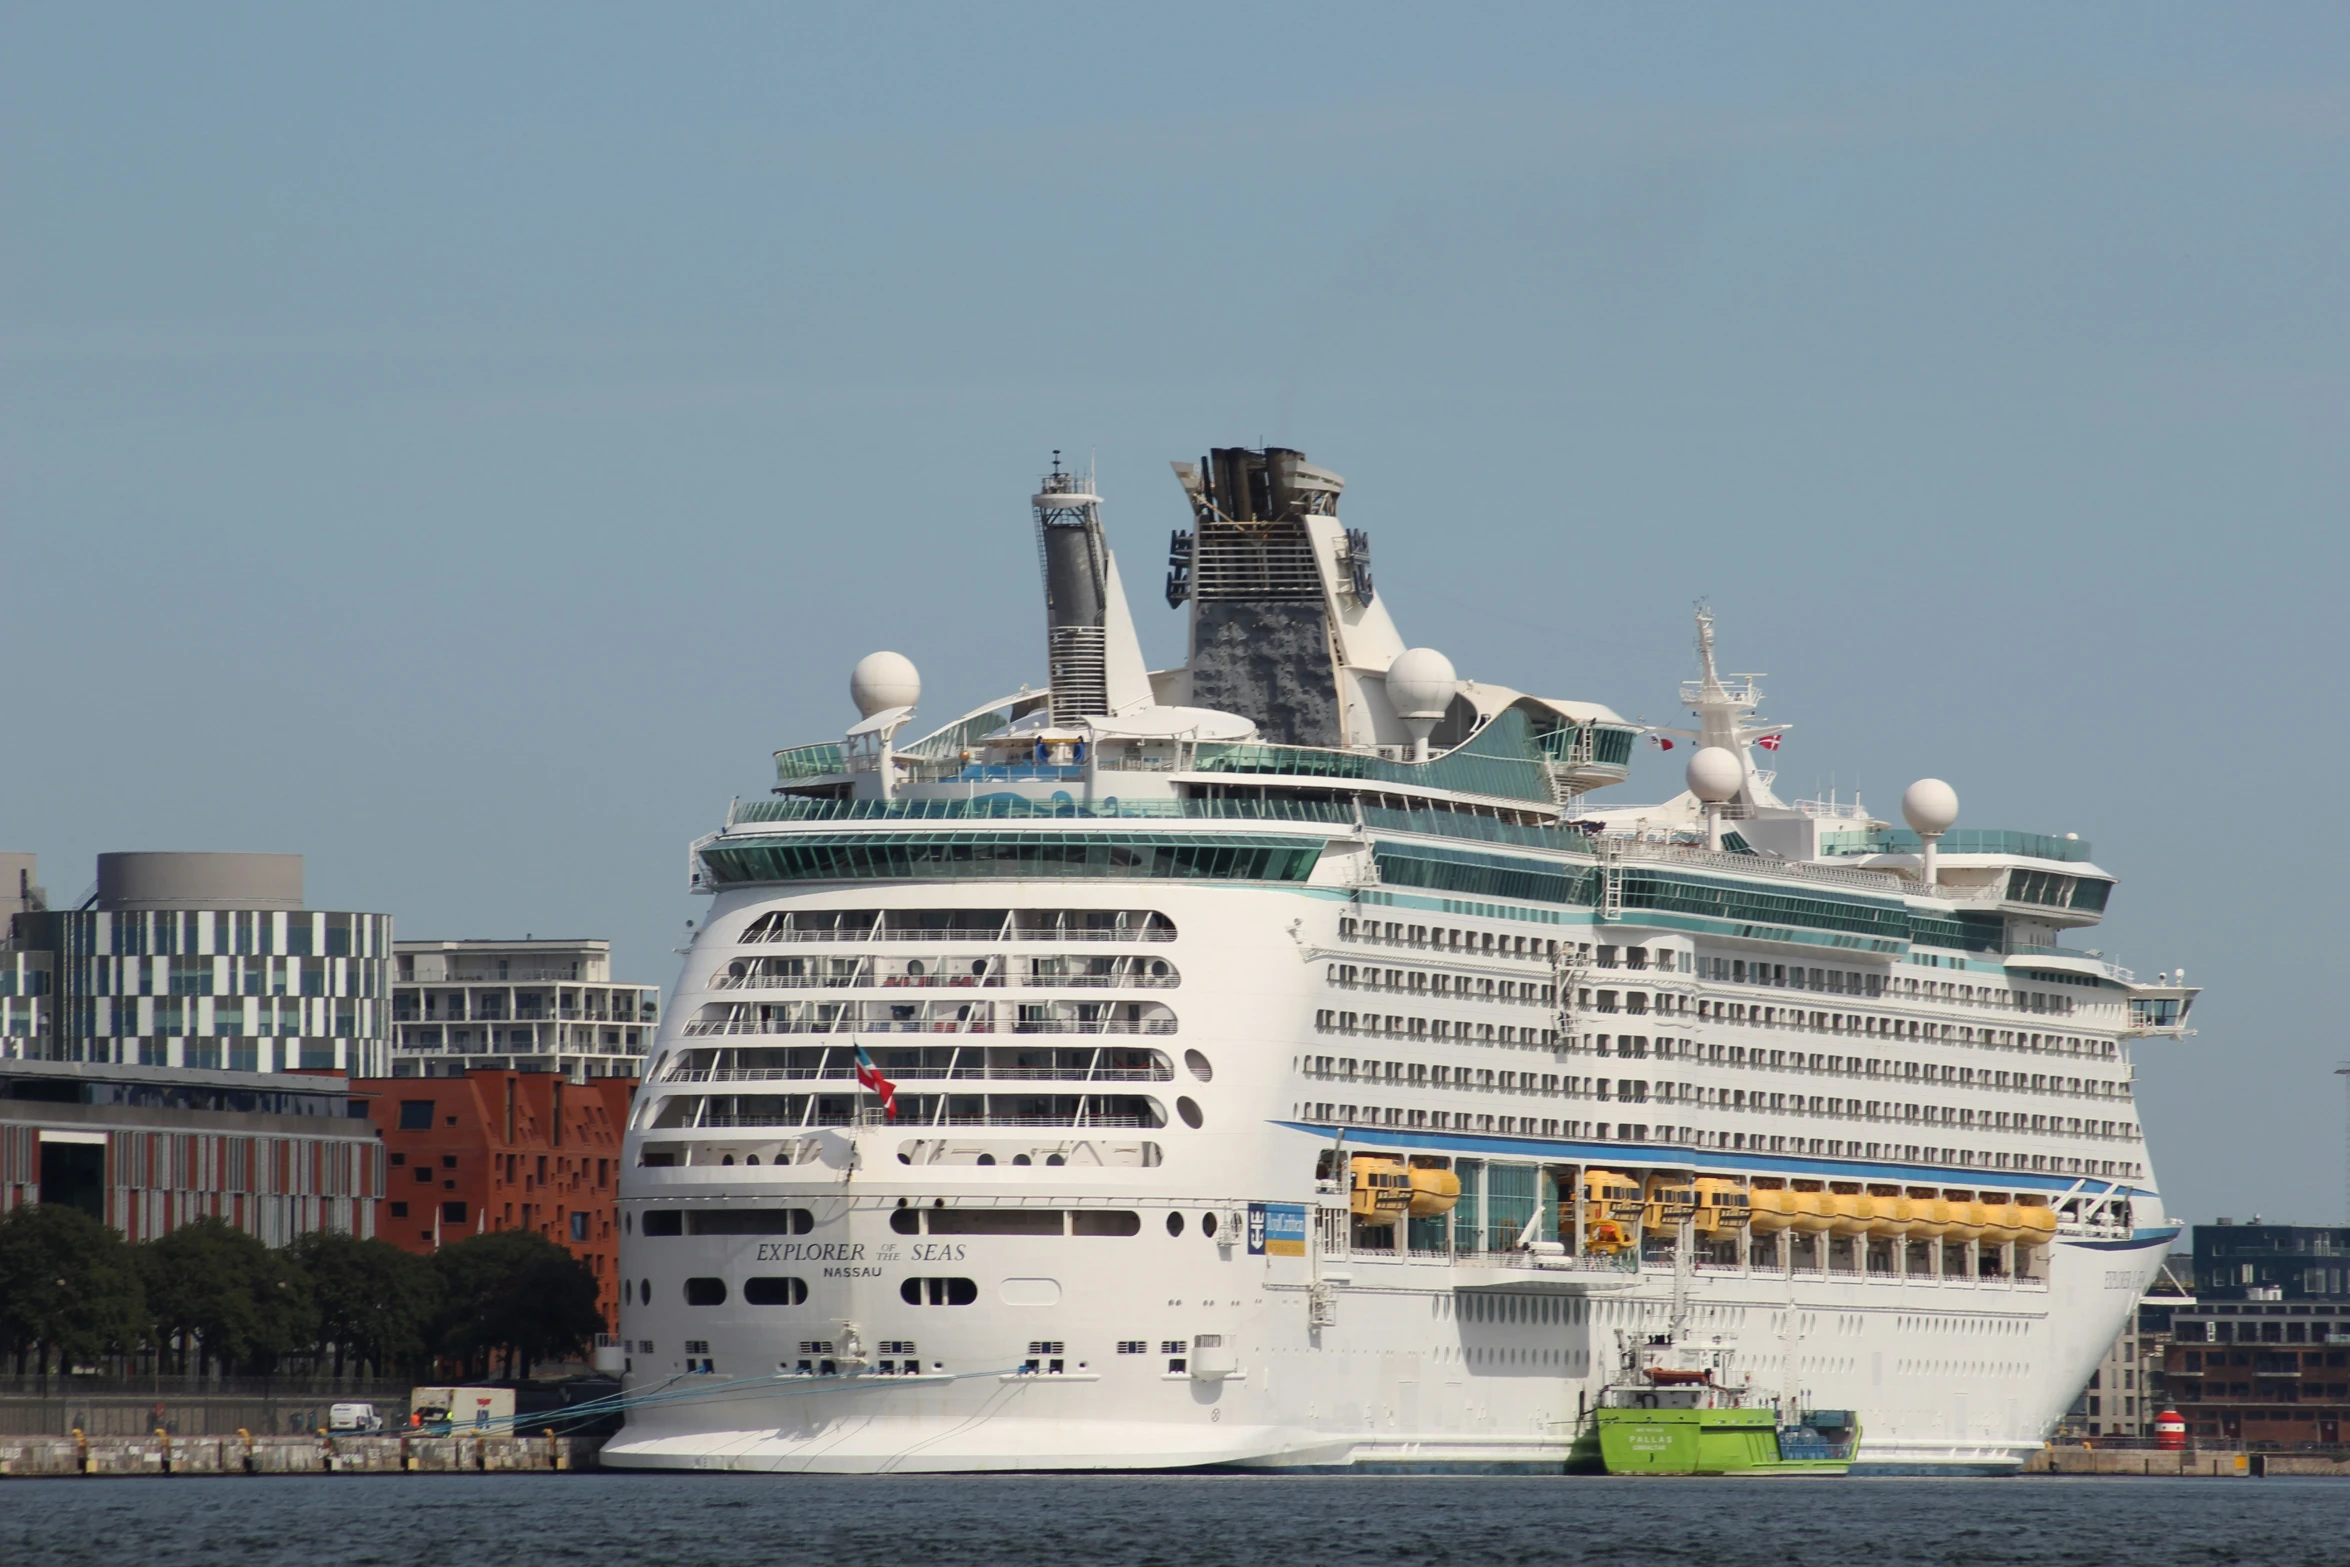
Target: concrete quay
pixel 2216 1463
pixel 288 1455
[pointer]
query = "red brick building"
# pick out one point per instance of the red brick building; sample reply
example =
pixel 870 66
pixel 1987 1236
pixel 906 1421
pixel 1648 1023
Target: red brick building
pixel 494 1151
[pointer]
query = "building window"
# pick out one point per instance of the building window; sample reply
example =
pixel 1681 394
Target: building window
pixel 415 1115
pixel 452 1213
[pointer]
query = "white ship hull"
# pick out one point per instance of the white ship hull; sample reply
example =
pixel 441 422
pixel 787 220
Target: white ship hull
pixel 1427 1366
pixel 1474 1362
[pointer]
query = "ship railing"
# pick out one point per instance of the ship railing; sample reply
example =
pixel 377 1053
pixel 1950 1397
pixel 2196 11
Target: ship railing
pixel 768 1026
pixel 874 1117
pixel 1540 1262
pixel 1752 865
pixel 993 981
pixel 993 933
pixel 926 1074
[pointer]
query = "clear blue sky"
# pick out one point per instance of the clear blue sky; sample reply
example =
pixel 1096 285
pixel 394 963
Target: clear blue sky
pixel 459 442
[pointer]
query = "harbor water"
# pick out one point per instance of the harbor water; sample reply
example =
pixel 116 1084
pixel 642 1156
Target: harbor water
pixel 1169 1521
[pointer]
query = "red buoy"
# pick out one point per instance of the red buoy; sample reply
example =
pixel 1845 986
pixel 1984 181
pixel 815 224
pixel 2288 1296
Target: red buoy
pixel 2170 1432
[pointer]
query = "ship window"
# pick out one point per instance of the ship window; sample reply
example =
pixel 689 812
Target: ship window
pixel 1174 1224
pixel 938 1292
pixel 1188 1109
pixel 750 1221
pixel 995 1221
pixel 770 1290
pixel 705 1292
pixel 660 1221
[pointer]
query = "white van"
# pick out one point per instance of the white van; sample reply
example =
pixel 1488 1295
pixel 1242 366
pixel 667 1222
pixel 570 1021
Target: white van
pixel 355 1418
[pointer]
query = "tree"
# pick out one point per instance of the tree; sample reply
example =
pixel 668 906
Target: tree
pixel 67 1287
pixel 244 1304
pixel 516 1291
pixel 376 1303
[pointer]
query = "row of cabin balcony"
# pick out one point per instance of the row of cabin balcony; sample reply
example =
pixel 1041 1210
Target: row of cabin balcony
pixel 1439 1077
pixel 504 1004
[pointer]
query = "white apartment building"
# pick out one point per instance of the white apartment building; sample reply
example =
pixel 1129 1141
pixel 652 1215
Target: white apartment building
pixel 517 1006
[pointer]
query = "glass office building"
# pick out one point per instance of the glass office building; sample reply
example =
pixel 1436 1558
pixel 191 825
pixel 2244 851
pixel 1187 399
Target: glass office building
pixel 211 961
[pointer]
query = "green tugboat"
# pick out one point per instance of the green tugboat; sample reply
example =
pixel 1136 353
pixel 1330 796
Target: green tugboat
pixel 1676 1410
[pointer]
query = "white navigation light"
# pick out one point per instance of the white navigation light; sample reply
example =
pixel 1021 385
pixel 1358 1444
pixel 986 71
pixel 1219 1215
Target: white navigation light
pixel 1714 775
pixel 1929 806
pixel 1420 687
pixel 882 681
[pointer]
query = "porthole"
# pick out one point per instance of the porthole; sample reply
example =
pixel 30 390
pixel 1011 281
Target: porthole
pixel 985 1158
pixel 645 1292
pixel 1198 1065
pixel 1188 1109
pixel 1207 1225
pixel 1054 1160
pixel 1021 1158
pixel 1174 1224
pixel 628 1224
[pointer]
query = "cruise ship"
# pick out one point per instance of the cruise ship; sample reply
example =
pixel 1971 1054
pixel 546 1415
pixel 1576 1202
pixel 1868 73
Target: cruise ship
pixel 1294 1060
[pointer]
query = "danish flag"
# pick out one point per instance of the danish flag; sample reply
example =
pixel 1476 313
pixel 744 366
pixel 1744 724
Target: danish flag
pixel 1769 742
pixel 870 1079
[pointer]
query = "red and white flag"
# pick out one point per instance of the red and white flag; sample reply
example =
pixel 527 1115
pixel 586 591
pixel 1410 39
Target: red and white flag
pixel 870 1079
pixel 1660 742
pixel 1769 742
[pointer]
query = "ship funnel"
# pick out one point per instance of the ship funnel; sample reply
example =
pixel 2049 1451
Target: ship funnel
pixel 1093 657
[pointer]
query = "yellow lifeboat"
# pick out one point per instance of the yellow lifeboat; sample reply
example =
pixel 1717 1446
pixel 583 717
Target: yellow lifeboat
pixel 1893 1216
pixel 2001 1223
pixel 2038 1223
pixel 1671 1199
pixel 1382 1189
pixel 1815 1212
pixel 1611 1207
pixel 1435 1190
pixel 1771 1209
pixel 1721 1205
pixel 1968 1220
pixel 1850 1213
pixel 1929 1216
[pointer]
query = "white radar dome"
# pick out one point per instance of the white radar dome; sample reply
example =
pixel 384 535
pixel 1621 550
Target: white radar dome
pixel 882 681
pixel 1929 806
pixel 1421 684
pixel 1715 774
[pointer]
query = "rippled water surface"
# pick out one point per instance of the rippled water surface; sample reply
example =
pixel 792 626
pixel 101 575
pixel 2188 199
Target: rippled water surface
pixel 1178 1521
